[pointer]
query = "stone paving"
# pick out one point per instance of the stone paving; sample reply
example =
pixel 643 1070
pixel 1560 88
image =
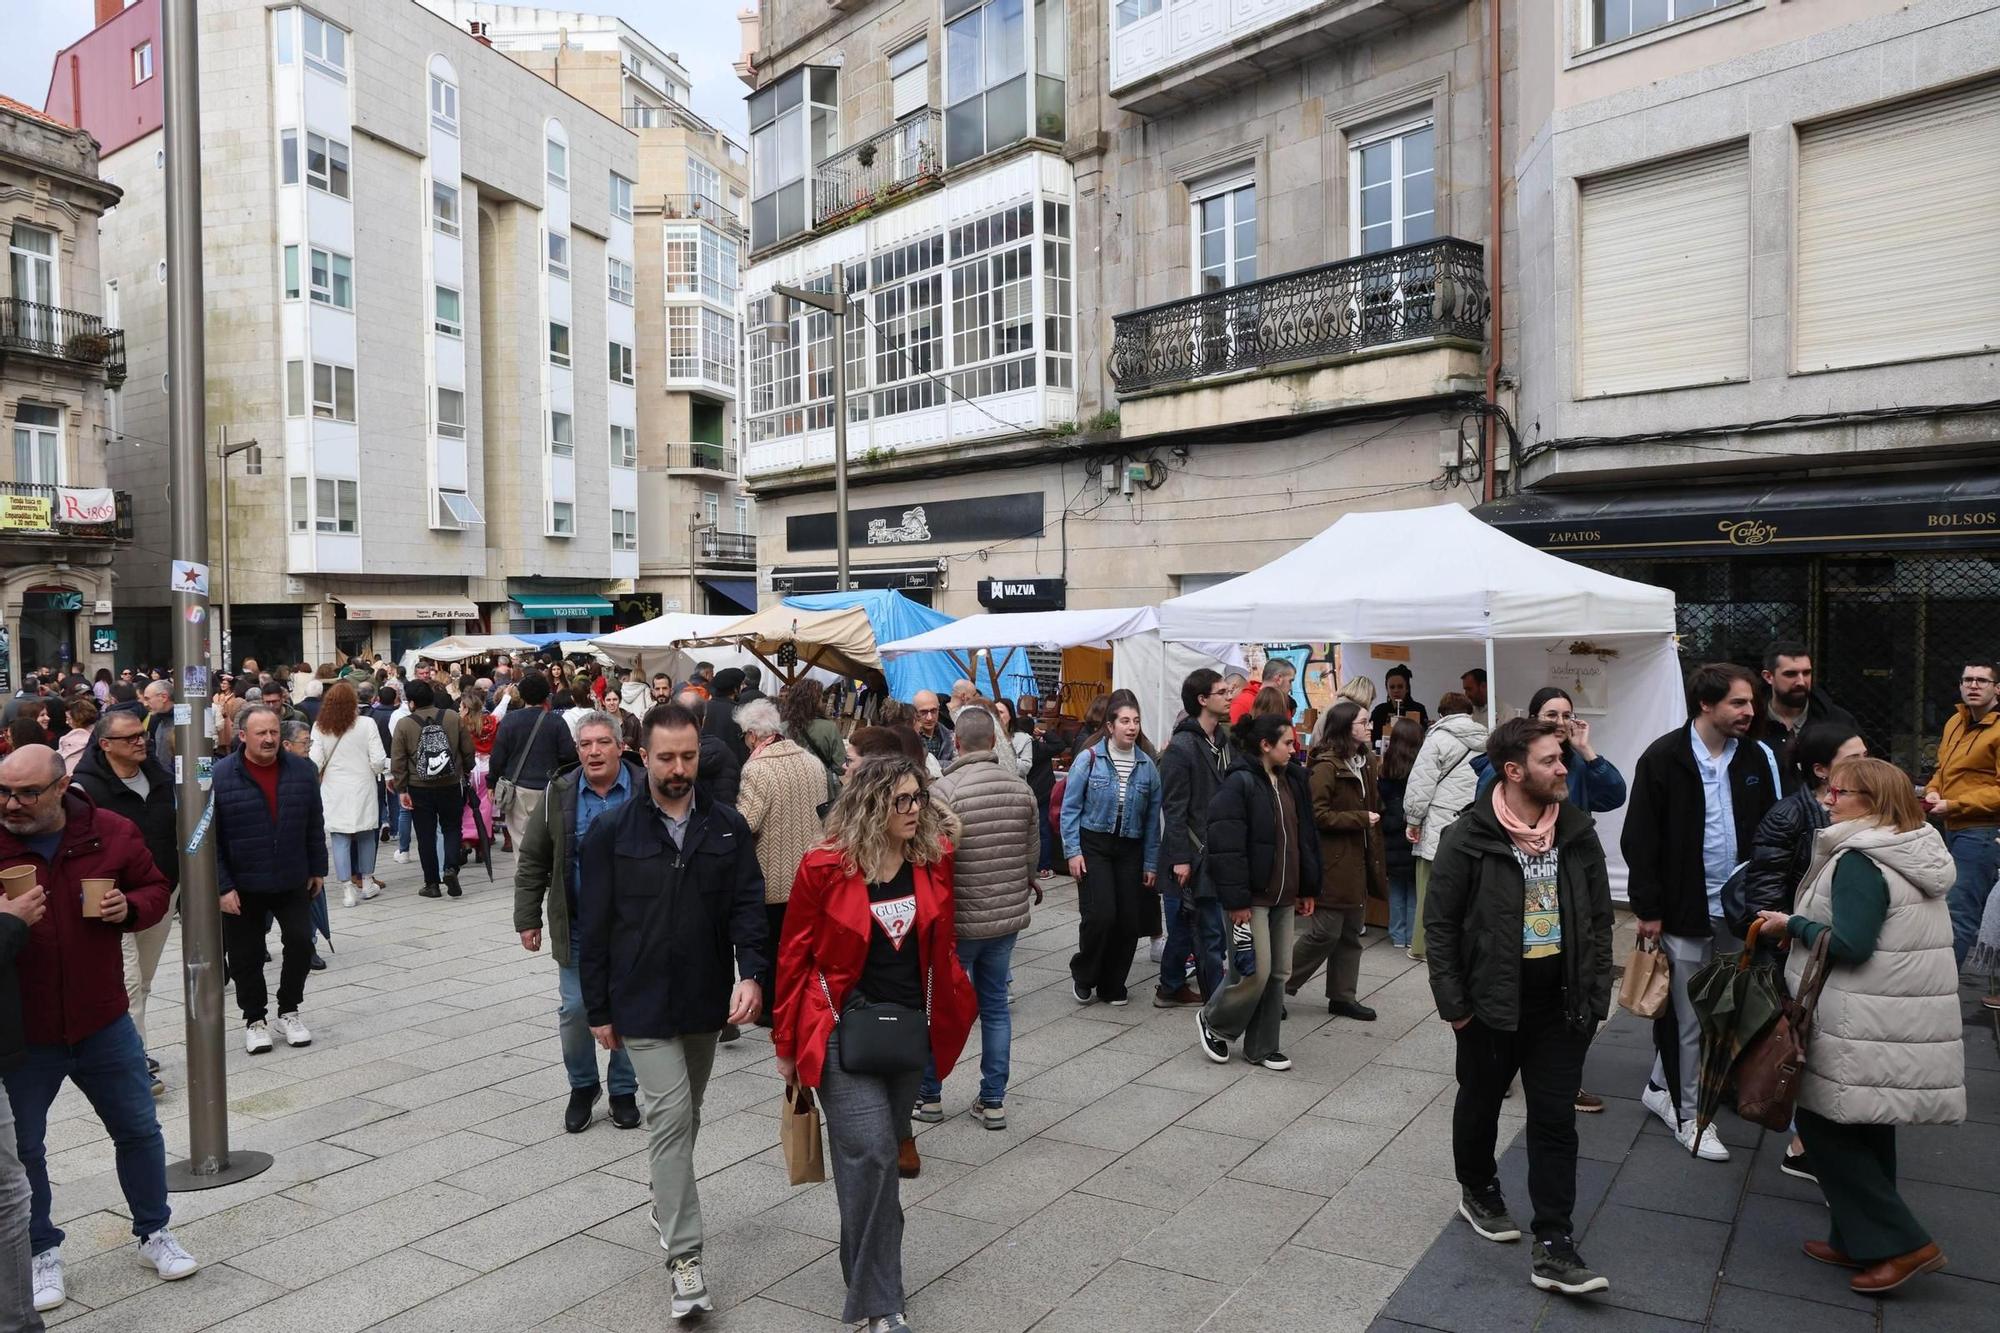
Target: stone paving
pixel 423 1181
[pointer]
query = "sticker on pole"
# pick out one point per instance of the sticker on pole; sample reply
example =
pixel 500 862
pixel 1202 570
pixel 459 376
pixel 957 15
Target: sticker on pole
pixel 183 715
pixel 190 578
pixel 201 828
pixel 194 681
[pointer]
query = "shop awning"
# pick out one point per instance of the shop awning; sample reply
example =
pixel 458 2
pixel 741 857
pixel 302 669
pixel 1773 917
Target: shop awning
pixel 743 592
pixel 407 606
pixel 553 606
pixel 1884 511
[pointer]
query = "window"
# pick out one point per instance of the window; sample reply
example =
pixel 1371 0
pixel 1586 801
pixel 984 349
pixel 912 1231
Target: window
pixel 301 510
pixel 38 444
pixel 326 165
pixel 332 279
pixel 619 280
pixel 718 348
pixel 624 446
pixel 793 123
pixel 621 364
pixel 295 388
pixel 683 342
pixel 557 155
pixel 282 25
pixel 324 45
pixel 447 317
pixel 142 63
pixel 444 208
pixel 1615 20
pixel 1392 191
pixel 456 510
pixel 703 179
pixel 444 105
pixel 288 157
pixel 336 505
pixel 450 414
pixel 621 197
pixel 993 297
pixel 562 435
pixel 291 273
pixel 718 268
pixel 558 255
pixel 1058 298
pixel 332 392
pixel 683 258
pixel 562 519
pixel 711 507
pixel 910 79
pixel 558 344
pixel 639 116
pixel 1225 236
pixel 909 325
pixel 624 530
pixel 701 344
pixel 1131 11
pixel 1003 74
pixel 743 514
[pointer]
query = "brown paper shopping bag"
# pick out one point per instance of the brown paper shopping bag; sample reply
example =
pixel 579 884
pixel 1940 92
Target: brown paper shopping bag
pixel 798 1132
pixel 1647 984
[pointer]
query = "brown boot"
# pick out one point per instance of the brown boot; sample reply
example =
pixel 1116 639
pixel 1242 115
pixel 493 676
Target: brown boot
pixel 908 1164
pixel 1893 1273
pixel 1826 1254
pixel 1589 1102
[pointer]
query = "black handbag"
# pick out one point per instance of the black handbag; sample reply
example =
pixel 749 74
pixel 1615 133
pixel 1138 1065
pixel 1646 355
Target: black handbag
pixel 882 1039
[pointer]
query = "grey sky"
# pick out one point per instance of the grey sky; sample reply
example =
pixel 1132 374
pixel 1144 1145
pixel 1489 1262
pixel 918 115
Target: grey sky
pixel 703 32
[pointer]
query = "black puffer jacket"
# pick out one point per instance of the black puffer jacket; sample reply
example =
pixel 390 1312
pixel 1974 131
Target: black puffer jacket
pixel 1243 834
pixel 1190 770
pixel 154 813
pixel 1780 852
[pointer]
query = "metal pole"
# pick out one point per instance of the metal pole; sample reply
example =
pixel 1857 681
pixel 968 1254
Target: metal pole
pixel 209 1162
pixel 840 427
pixel 225 647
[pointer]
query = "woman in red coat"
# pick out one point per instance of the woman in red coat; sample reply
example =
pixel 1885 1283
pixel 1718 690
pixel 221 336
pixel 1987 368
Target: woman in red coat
pixel 870 916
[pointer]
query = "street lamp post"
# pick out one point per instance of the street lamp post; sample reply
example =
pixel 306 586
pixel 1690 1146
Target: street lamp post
pixel 224 451
pixel 835 304
pixel 696 526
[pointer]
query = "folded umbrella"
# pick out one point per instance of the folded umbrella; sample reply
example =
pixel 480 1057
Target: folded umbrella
pixel 1736 999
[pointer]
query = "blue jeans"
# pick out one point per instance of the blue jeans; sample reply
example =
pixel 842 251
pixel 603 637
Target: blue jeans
pixel 1977 856
pixel 402 830
pixel 109 1067
pixel 579 1048
pixel 353 854
pixel 986 962
pixel 1211 935
pixel 1180 941
pixel 1402 905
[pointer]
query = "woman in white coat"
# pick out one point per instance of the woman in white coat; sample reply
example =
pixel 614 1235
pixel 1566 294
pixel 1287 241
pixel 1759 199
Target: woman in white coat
pixel 349 758
pixel 1441 785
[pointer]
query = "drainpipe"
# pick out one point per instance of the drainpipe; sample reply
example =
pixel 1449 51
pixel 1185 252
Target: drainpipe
pixel 76 89
pixel 1496 187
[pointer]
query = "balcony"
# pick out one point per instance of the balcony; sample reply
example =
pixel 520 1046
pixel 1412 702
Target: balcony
pixel 703 208
pixel 31 512
pixel 1325 331
pixel 701 457
pixel 879 170
pixel 733 547
pixel 55 334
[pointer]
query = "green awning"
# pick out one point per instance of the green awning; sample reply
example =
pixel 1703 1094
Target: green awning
pixel 558 607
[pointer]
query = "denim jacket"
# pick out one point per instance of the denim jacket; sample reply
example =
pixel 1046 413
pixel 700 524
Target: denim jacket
pixel 1090 801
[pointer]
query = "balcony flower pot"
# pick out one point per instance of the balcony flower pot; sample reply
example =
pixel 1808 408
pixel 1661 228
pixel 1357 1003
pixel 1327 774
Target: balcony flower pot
pixel 91 348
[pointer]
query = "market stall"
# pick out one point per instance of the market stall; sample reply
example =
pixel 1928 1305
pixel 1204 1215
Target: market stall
pixel 789 642
pixel 650 648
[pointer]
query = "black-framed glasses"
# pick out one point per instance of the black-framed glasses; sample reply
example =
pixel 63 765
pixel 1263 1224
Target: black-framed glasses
pixel 1975 680
pixel 128 737
pixel 25 795
pixel 905 802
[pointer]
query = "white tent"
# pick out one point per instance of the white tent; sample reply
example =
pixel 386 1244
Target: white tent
pixel 1441 592
pixel 650 646
pixel 459 647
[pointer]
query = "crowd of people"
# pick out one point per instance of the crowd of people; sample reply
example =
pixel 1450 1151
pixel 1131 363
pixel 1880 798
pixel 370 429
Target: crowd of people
pixel 701 858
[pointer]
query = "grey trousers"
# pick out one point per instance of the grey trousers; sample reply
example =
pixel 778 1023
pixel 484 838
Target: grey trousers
pixel 17 1287
pixel 865 1117
pixel 1689 954
pixel 673 1075
pixel 1331 935
pixel 1251 1007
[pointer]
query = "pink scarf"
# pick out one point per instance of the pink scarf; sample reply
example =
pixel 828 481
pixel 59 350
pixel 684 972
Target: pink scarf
pixel 1534 839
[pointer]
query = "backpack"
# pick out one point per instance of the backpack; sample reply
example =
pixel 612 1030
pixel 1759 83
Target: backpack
pixel 434 752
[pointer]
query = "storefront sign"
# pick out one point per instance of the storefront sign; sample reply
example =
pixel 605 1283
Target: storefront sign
pixel 51 599
pixel 96 505
pixel 1037 594
pixel 24 513
pixel 103 638
pixel 989 518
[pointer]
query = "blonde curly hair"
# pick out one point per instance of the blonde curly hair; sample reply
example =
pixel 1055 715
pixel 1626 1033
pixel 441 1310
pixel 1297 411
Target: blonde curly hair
pixel 858 825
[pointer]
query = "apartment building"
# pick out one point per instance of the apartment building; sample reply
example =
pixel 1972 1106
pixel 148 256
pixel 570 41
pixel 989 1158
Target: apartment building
pixel 1144 293
pixel 62 356
pixel 1760 308
pixel 697 543
pixel 407 239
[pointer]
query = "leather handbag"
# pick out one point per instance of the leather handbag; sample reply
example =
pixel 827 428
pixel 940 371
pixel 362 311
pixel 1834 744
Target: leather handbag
pixel 1648 981
pixel 878 1038
pixel 505 789
pixel 1771 1068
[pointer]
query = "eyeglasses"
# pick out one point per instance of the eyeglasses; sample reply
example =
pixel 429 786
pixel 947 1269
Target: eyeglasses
pixel 25 795
pixel 905 802
pixel 1975 680
pixel 1835 793
pixel 128 737
pixel 927 712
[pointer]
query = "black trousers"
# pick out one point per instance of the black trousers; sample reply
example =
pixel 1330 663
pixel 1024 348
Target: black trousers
pixel 243 944
pixel 433 808
pixel 1117 912
pixel 1549 1056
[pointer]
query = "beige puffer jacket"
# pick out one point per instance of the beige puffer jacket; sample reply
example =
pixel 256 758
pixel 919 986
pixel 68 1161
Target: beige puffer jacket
pixel 783 789
pixel 998 844
pixel 1887 1044
pixel 1442 783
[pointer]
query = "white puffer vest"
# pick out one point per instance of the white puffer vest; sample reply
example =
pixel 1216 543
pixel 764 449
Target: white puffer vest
pixel 1887 1045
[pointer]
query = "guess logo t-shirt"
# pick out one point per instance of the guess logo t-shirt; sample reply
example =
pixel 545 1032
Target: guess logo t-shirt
pixel 895 916
pixel 893 974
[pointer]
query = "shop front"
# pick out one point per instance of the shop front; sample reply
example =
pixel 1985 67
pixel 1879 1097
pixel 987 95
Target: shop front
pixel 583 614
pixel 394 623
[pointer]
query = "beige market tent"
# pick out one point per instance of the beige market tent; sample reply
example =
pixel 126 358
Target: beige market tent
pixel 838 641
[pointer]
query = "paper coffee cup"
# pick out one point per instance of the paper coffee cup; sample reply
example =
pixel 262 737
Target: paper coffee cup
pixel 93 895
pixel 17 880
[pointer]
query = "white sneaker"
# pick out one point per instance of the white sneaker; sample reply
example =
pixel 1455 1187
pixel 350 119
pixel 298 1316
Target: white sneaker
pixel 690 1292
pixel 1710 1149
pixel 348 898
pixel 48 1279
pixel 166 1256
pixel 257 1037
pixel 293 1029
pixel 1661 1104
pixel 402 858
pixel 371 889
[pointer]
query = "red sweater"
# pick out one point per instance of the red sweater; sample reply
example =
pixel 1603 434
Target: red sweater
pixel 266 778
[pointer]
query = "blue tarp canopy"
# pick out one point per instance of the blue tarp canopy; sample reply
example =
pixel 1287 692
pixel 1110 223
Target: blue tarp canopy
pixel 893 616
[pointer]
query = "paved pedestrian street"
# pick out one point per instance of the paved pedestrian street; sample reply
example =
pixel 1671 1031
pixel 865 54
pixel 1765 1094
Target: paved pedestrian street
pixel 423 1180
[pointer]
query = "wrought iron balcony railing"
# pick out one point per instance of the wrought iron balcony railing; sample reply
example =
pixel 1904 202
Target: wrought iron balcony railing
pixel 729 546
pixel 62 335
pixel 1433 289
pixel 695 454
pixel 703 208
pixel 875 171
pixel 36 513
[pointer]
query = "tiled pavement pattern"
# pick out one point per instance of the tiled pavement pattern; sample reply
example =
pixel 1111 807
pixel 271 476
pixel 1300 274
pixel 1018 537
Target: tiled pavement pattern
pixel 423 1181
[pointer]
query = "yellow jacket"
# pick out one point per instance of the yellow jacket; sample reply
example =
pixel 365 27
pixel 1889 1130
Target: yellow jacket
pixel 1968 769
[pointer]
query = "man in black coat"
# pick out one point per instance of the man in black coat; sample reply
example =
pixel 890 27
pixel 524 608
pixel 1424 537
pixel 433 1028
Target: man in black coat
pixel 721 774
pixel 674 935
pixel 1697 795
pixel 1794 702
pixel 1191 768
pixel 1517 936
pixel 720 720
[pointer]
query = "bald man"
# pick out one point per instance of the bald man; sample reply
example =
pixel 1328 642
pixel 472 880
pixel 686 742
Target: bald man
pixel 74 1010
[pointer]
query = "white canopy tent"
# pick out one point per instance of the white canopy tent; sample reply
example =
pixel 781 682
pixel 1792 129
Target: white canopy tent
pixel 459 647
pixel 650 647
pixel 1441 592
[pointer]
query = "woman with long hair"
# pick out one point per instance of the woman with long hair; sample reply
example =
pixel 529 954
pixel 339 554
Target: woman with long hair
pixel 1111 836
pixel 349 757
pixel 1887 1042
pixel 1347 811
pixel 802 707
pixel 82 713
pixel 484 729
pixel 1406 737
pixel 869 925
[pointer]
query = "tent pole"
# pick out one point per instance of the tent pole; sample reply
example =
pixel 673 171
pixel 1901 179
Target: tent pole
pixel 1492 699
pixel 992 675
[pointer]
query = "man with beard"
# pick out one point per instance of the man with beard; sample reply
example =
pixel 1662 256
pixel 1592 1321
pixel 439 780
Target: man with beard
pixel 1517 929
pixel 671 905
pixel 1788 672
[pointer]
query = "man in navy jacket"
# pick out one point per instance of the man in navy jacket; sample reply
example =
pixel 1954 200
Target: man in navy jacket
pixel 270 860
